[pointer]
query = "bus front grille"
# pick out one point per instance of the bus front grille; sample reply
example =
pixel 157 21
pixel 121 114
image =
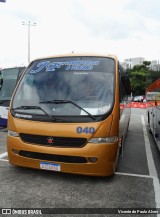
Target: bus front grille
pixel 67 142
pixel 53 157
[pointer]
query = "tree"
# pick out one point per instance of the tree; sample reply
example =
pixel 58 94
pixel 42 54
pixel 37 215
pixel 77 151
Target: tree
pixel 141 77
pixel 138 77
pixel 152 76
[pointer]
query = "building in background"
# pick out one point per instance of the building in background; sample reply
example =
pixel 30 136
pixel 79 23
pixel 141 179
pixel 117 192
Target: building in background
pixel 155 65
pixel 131 62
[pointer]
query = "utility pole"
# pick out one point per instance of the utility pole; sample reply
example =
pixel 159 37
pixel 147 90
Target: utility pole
pixel 29 24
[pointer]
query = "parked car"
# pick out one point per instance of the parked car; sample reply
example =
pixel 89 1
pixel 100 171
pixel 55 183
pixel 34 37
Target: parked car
pixel 138 99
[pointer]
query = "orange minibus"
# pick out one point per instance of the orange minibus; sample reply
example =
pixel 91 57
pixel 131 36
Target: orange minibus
pixel 70 113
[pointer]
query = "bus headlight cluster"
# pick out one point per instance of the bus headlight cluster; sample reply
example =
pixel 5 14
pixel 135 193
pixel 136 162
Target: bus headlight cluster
pixel 13 133
pixel 104 140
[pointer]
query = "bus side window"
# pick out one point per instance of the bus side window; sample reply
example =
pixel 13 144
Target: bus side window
pixel 125 90
pixel 124 84
pixel 122 91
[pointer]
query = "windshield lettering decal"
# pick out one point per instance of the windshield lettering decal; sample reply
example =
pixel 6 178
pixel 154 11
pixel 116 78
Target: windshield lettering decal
pixel 80 73
pixel 23 116
pixel 40 66
pixel 81 65
pixel 77 65
pixel 52 66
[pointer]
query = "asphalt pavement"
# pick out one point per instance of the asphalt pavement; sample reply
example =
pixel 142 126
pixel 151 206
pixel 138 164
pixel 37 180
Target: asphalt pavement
pixel 135 185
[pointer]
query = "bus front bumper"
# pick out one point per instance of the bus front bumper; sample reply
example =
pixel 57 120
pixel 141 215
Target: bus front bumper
pixel 92 159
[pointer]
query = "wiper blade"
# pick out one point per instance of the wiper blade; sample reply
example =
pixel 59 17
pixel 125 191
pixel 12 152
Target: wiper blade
pixel 2 101
pixel 33 107
pixel 56 101
pixel 68 101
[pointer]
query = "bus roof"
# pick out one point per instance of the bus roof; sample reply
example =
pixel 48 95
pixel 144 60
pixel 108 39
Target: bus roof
pixel 78 55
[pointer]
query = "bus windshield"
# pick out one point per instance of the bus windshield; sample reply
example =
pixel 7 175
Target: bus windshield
pixel 71 86
pixel 8 81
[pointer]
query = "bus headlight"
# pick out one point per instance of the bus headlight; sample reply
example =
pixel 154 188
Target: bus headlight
pixel 12 133
pixel 104 140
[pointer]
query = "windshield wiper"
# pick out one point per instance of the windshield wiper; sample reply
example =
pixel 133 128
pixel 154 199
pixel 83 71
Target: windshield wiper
pixel 5 100
pixel 33 107
pixel 69 101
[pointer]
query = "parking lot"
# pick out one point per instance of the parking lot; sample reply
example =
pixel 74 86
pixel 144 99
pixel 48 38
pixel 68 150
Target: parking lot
pixel 135 186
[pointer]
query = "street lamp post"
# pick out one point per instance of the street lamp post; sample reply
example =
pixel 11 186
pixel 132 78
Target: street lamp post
pixel 29 24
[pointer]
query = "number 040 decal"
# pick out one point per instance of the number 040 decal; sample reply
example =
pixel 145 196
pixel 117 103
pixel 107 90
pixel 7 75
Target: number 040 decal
pixel 87 130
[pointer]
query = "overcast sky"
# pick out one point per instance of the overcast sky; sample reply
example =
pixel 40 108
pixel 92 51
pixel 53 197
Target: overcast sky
pixel 127 28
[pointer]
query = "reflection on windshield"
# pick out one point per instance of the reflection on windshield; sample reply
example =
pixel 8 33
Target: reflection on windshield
pixel 68 101
pixel 86 81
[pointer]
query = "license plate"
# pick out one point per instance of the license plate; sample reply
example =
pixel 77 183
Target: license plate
pixel 50 166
